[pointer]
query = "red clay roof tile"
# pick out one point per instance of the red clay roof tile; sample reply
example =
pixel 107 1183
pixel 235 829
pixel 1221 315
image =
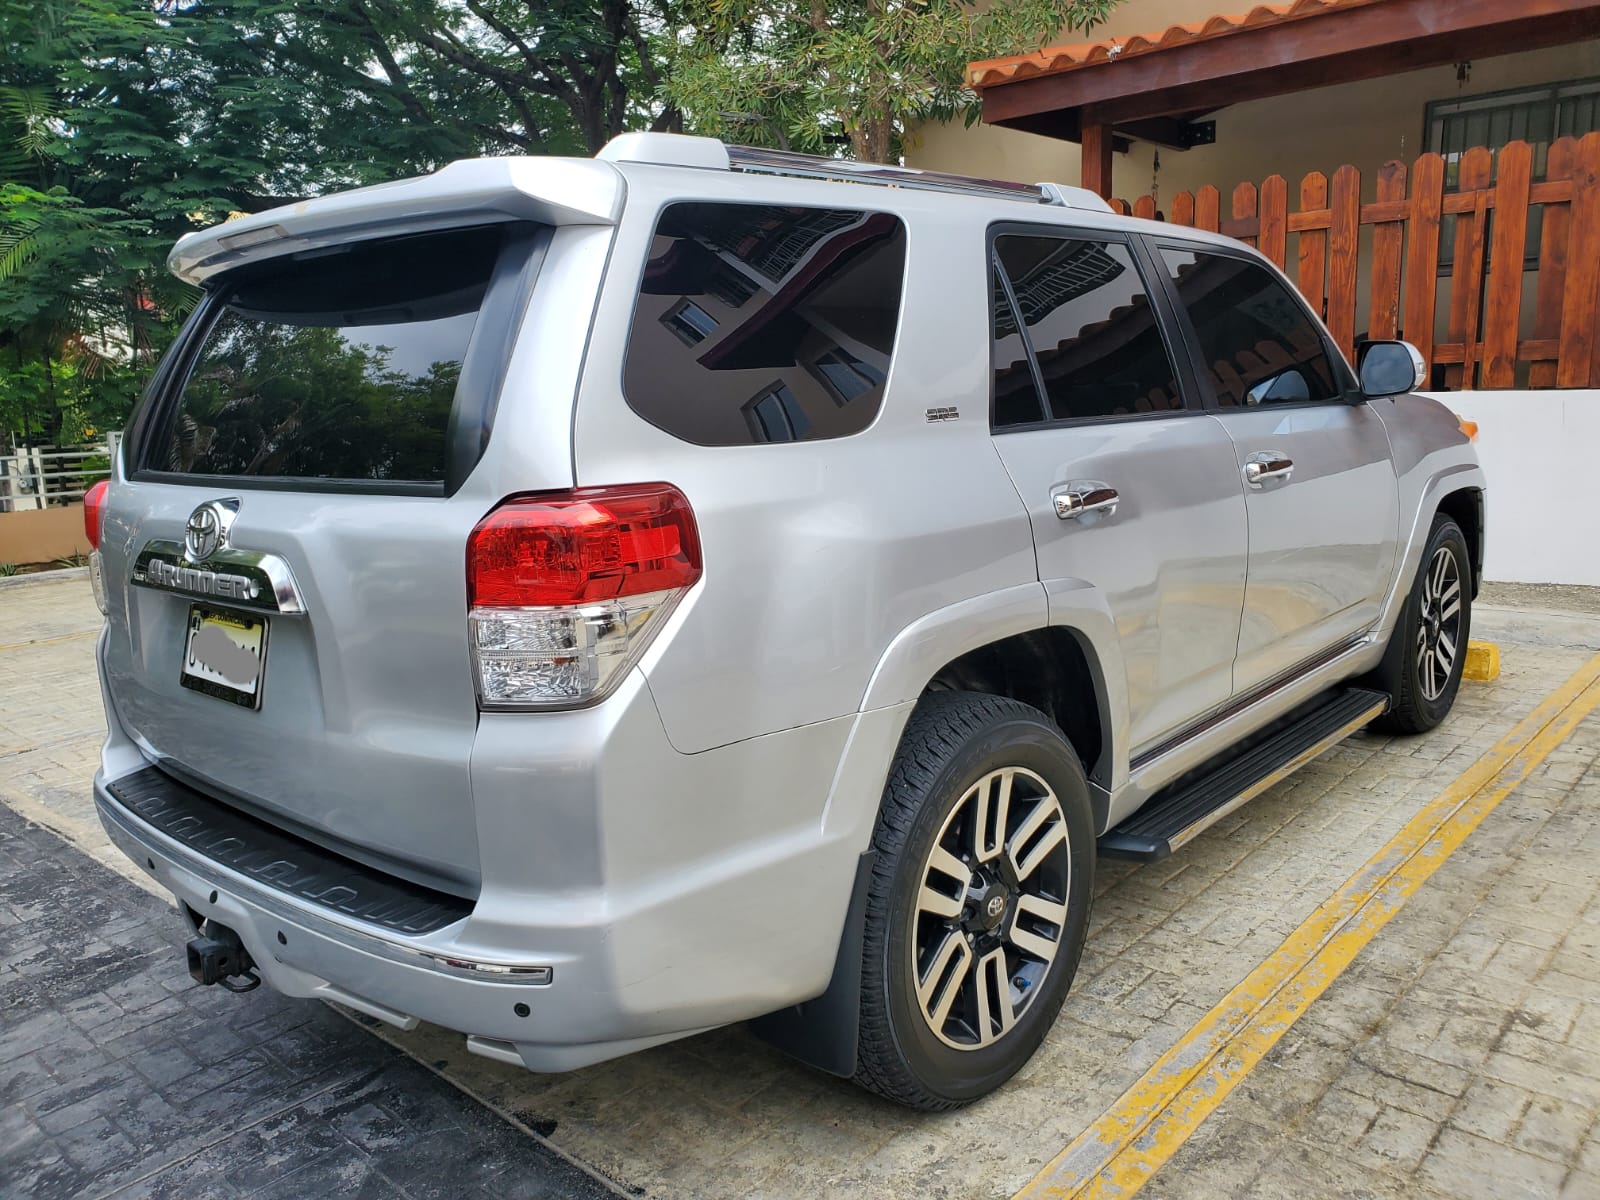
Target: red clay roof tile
pixel 1056 59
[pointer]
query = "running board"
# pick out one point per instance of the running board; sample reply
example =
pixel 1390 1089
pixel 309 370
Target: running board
pixel 1191 806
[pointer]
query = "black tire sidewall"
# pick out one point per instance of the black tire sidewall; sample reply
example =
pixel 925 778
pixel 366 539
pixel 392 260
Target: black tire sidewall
pixel 960 1075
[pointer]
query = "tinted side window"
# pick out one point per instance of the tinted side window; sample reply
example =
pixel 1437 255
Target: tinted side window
pixel 758 323
pixel 1257 344
pixel 1090 326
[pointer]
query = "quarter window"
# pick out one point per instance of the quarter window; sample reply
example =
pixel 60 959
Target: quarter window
pixel 765 323
pixel 1257 344
pixel 1086 324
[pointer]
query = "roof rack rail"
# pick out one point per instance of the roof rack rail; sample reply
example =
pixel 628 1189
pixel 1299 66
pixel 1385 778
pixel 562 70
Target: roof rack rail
pixel 684 151
pixel 814 166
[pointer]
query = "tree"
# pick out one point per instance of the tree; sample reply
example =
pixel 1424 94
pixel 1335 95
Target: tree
pixel 810 74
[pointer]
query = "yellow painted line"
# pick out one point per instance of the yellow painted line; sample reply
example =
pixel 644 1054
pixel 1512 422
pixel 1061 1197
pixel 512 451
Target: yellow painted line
pixel 1123 1149
pixel 50 641
pixel 1483 662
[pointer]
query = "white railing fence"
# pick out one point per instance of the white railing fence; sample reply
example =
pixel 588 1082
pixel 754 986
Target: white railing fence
pixel 34 477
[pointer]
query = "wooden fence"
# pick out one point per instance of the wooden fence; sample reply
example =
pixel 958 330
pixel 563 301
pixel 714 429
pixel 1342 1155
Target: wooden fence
pixel 1481 346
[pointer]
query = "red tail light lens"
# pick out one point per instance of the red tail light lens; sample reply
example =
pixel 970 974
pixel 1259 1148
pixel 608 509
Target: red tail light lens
pixel 583 546
pixel 94 503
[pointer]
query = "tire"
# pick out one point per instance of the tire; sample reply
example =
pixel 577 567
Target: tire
pixel 1437 617
pixel 1024 906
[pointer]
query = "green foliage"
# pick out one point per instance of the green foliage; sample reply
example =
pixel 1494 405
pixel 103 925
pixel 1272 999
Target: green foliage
pixel 7 569
pixel 812 74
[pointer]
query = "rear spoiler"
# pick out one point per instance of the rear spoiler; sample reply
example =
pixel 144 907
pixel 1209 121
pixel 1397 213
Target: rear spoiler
pixel 477 191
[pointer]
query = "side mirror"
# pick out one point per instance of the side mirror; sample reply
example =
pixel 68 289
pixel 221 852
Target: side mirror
pixel 1391 368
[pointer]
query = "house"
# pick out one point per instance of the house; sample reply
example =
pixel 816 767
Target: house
pixel 1428 169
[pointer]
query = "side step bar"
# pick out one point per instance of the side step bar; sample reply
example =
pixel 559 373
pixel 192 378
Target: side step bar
pixel 1193 805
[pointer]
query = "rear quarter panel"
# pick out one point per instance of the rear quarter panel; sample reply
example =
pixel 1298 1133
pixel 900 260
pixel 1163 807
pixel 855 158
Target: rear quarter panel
pixel 817 554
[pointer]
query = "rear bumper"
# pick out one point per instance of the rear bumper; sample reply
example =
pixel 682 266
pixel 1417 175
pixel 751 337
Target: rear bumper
pixel 628 898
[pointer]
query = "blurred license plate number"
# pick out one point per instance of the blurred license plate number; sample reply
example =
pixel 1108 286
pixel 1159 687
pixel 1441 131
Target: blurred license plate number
pixel 223 653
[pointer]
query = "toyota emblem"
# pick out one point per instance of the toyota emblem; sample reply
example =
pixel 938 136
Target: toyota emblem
pixel 207 529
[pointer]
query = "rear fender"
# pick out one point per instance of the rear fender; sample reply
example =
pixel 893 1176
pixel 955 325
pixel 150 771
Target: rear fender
pixel 824 1032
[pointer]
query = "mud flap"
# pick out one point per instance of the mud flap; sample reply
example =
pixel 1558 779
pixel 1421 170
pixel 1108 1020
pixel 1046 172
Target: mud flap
pixel 823 1033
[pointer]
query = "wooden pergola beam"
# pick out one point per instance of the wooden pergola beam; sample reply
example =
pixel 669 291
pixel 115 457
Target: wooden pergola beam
pixel 1341 46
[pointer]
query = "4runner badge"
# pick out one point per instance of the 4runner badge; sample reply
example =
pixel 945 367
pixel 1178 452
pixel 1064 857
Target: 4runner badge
pixel 206 565
pixel 943 414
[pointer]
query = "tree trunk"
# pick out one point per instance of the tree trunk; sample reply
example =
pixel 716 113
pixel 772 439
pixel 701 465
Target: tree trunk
pixel 872 140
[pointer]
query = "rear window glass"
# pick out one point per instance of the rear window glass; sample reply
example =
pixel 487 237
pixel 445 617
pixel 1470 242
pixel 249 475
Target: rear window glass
pixel 759 323
pixel 334 366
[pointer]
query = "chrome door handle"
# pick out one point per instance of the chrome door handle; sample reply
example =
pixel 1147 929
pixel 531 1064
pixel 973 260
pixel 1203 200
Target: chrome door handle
pixel 1269 464
pixel 1077 499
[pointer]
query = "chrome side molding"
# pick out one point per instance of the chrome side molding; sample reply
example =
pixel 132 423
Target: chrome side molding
pixel 251 579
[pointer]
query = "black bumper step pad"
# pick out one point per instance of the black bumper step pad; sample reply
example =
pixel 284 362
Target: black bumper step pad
pixel 1173 817
pixel 281 861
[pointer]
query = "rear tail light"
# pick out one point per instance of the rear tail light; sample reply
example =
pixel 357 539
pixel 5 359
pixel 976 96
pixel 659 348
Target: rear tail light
pixel 567 590
pixel 94 503
pixel 94 506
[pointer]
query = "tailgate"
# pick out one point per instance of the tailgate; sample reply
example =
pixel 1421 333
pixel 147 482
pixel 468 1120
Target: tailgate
pixel 284 550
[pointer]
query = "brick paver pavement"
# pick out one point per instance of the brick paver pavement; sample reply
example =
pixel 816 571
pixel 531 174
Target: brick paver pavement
pixel 724 1116
pixel 120 1077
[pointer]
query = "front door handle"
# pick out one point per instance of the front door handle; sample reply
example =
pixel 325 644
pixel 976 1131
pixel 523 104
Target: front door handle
pixel 1079 499
pixel 1269 464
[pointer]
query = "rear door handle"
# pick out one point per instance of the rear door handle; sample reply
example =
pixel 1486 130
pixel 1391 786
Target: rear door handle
pixel 1268 464
pixel 1081 498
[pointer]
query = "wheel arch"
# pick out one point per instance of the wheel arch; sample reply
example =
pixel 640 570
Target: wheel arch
pixel 1460 485
pixel 1465 507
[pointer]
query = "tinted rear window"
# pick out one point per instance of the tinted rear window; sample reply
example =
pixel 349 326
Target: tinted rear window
pixel 334 366
pixel 758 323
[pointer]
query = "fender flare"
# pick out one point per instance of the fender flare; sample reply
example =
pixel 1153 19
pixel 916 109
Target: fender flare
pixel 825 1032
pixel 1459 477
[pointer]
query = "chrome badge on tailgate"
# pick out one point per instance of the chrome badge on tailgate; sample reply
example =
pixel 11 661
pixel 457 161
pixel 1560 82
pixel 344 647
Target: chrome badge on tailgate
pixel 204 565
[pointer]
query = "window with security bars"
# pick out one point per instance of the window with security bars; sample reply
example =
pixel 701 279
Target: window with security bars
pixel 1536 115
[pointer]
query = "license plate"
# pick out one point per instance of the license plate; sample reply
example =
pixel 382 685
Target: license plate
pixel 223 655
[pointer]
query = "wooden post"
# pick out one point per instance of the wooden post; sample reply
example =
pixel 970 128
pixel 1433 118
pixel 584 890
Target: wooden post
pixel 1096 173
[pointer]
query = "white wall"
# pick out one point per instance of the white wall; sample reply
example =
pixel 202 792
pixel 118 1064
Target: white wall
pixel 1538 450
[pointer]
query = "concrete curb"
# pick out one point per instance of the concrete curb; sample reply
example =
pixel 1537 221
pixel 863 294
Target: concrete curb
pixel 51 576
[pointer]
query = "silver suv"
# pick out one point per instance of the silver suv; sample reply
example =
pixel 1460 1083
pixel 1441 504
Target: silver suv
pixel 587 602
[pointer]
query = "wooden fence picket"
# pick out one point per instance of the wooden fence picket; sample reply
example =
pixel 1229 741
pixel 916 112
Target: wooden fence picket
pixel 1275 220
pixel 1502 317
pixel 1344 245
pixel 1422 253
pixel 1388 244
pixel 1466 270
pixel 1579 358
pixel 1183 209
pixel 1555 229
pixel 1314 243
pixel 1244 225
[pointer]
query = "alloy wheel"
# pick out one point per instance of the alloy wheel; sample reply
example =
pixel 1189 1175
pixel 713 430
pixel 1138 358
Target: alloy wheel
pixel 991 908
pixel 1439 624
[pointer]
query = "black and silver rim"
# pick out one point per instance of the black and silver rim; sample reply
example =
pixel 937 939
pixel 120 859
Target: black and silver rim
pixel 991 909
pixel 1439 627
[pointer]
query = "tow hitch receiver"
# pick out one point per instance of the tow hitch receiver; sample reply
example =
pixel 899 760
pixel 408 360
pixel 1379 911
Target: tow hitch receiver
pixel 218 956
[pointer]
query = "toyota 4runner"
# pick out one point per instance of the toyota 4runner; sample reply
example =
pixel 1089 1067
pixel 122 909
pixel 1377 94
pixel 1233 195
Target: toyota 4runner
pixel 587 602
